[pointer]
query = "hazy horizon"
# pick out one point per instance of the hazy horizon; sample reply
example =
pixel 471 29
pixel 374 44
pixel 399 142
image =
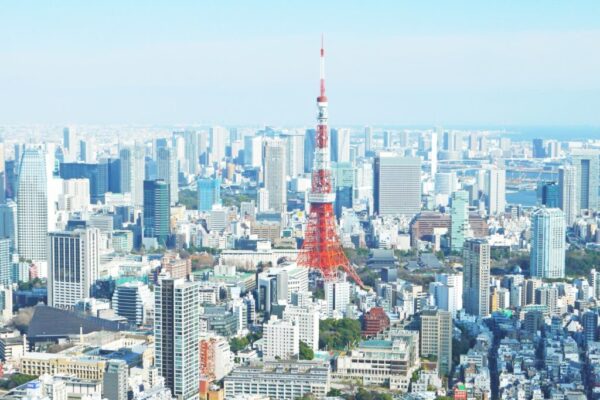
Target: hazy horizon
pixel 390 63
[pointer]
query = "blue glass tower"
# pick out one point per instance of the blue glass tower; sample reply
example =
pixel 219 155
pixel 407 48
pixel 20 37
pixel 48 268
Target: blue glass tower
pixel 209 193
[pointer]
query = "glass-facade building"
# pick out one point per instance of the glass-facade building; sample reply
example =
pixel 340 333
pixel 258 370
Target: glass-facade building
pixel 209 193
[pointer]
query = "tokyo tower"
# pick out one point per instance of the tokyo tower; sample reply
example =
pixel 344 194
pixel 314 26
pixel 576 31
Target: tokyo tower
pixel 322 249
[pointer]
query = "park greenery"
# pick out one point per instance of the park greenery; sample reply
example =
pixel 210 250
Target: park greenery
pixel 306 353
pixel 339 334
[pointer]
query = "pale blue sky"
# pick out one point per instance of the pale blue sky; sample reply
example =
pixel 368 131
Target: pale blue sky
pixel 256 62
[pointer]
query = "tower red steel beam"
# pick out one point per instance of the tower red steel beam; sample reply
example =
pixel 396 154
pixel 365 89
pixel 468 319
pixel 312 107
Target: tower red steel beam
pixel 322 249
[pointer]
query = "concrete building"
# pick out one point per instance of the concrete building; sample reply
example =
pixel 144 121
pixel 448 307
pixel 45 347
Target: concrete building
pixel 436 338
pixel 279 380
pixel 495 191
pixel 275 174
pixel 73 266
pixel 476 277
pixel 587 169
pixel 337 297
pixel 176 332
pixel 548 243
pixel 568 192
pixel 397 185
pixel 281 339
pixel 32 206
pixel 307 320
pixel 459 220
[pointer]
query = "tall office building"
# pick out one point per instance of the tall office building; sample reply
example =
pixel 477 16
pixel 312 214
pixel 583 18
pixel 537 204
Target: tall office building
pixel 549 193
pixel 253 151
pixel 459 220
pixel 309 149
pixel 157 211
pixel 8 222
pixel 445 183
pixel 275 177
pixel 397 185
pixel 340 145
pixel 5 262
pixel 133 173
pixel 218 143
pixel 177 335
pixel 495 186
pixel 337 297
pixel 448 292
pixel 70 143
pixel 130 300
pixel 295 154
pixel 589 321
pixel 587 167
pixel 115 383
pixel 368 139
pixel 433 153
pixel 166 168
pixel 569 203
pixel 538 149
pixel 436 338
pixel 262 200
pixel 548 243
pixel 209 193
pixel 192 150
pixel 476 277
pixel 73 266
pixel 32 206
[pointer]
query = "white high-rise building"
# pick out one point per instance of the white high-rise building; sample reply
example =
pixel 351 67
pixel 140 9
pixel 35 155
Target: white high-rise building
pixel 133 173
pixel 569 203
pixel 275 176
pixel 368 139
pixel 295 154
pixel 397 185
pixel 476 277
pixel 166 169
pixel 340 145
pixel 448 292
pixel 495 185
pixel 307 319
pixel 337 297
pixel 177 335
pixel 433 154
pixel 253 151
pixel 218 143
pixel 32 206
pixel 263 200
pixel 75 195
pixel 548 243
pixel 281 339
pixel 445 183
pixel 192 151
pixel 73 266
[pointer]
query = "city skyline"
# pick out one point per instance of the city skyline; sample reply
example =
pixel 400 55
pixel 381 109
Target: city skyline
pixel 504 65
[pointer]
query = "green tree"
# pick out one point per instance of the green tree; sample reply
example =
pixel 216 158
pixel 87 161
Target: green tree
pixel 334 393
pixel 306 353
pixel 339 334
pixel 238 344
pixel 189 199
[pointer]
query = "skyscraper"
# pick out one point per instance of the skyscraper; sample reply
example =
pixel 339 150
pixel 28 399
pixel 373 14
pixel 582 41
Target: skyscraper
pixel 550 194
pixel 253 151
pixel 192 150
pixel 157 211
pixel 167 171
pixel 309 149
pixel 115 380
pixel 433 152
pixel 459 220
pixel 32 206
pixel 397 185
pixel 275 177
pixel 569 203
pixel 5 262
pixel 73 266
pixel 129 300
pixel 538 148
pixel 209 193
pixel 587 166
pixel 495 186
pixel 548 243
pixel 70 143
pixel 436 338
pixel 177 334
pixel 340 145
pixel 218 142
pixel 476 277
pixel 368 139
pixel 132 173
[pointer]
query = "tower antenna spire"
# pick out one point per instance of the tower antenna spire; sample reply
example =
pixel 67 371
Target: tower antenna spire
pixel 322 73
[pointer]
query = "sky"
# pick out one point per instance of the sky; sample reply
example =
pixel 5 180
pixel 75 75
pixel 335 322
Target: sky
pixel 476 63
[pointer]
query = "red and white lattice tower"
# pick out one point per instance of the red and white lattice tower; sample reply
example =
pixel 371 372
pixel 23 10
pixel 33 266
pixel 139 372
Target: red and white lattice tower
pixel 322 249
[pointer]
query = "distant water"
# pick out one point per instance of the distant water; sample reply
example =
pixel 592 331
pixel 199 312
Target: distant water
pixel 526 198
